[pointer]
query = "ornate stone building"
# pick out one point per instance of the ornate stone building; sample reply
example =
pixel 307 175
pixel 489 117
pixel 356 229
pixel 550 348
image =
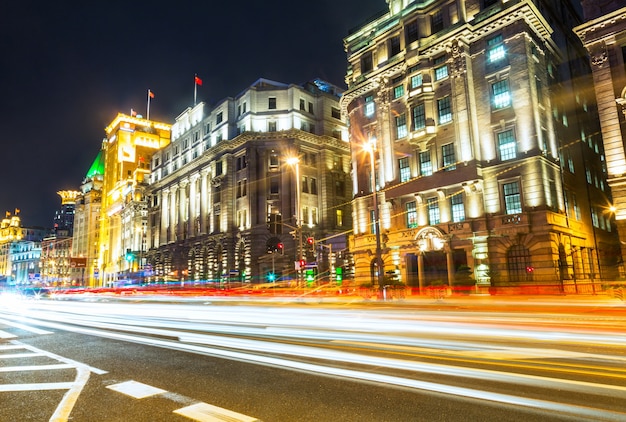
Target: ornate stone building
pixel 468 121
pixel 225 204
pixel 85 241
pixel 127 149
pixel 604 36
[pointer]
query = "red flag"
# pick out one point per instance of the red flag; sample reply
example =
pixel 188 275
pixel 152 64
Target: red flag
pixel 198 81
pixel 133 113
pixel 151 94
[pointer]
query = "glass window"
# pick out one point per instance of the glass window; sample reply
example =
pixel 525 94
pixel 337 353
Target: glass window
pixel 335 113
pixel 411 31
pixel 398 91
pixel 411 215
pixel 370 106
pixel 441 72
pixel 436 22
pixel 518 259
pixel 271 103
pixel 367 64
pixel 426 166
pixel 449 158
pixel 433 211
pixel 512 198
pixel 416 81
pixel 271 126
pixel 500 95
pixel 507 145
pixel 445 110
pixel 419 117
pixel 401 130
pixel 394 46
pixel 495 49
pixel 458 208
pixel 219 117
pixel 405 170
pixel 339 218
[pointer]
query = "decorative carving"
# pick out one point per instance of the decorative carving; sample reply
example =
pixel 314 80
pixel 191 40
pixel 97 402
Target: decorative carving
pixel 459 65
pixel 598 53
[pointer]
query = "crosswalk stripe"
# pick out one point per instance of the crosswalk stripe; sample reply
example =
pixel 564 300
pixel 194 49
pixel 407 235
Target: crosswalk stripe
pixel 20 355
pixel 204 412
pixel 36 367
pixel 4 334
pixel 36 387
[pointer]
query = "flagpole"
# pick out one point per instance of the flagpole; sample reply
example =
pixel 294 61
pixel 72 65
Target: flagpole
pixel 148 110
pixel 195 89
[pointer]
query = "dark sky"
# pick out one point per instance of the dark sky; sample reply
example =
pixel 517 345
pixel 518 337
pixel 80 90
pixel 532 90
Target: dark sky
pixel 67 70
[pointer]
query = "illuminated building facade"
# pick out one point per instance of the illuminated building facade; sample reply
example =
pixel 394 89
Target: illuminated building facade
pixel 604 36
pixel 473 113
pixel 85 240
pixel 56 263
pixel 224 201
pixel 127 150
pixel 20 252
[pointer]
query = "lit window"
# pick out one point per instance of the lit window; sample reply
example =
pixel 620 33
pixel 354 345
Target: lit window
pixel 500 94
pixel 401 130
pixel 416 81
pixel 495 49
pixel 426 166
pixel 441 72
pixel 445 110
pixel 370 106
pixel 419 117
pixel 433 211
pixel 507 145
pixel 398 91
pixel 512 198
pixel 411 215
pixel 449 158
pixel 339 218
pixel 458 208
pixel 405 170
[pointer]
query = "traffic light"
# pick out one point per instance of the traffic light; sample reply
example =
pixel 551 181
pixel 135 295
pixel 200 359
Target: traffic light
pixel 129 255
pixel 310 241
pixel 271 277
pixel 280 248
pixel 339 275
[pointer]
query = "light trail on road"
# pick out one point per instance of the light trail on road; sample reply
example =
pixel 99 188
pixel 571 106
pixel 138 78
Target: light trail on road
pixel 468 357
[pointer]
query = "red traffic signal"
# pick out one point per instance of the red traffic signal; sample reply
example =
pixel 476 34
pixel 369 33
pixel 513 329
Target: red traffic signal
pixel 302 263
pixel 310 240
pixel 280 246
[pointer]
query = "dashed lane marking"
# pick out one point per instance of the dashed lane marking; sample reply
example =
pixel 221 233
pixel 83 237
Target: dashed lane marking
pixel 204 412
pixel 201 412
pixel 136 389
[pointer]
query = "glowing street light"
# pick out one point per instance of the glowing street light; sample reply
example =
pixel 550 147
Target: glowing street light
pixel 370 147
pixel 295 163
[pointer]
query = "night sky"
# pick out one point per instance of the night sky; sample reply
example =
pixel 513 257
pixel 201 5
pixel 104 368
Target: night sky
pixel 66 71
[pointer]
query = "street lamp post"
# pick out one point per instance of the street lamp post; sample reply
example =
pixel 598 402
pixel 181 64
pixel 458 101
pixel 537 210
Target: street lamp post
pixel 370 147
pixel 295 163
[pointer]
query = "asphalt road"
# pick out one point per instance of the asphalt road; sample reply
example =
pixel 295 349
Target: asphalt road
pixel 95 360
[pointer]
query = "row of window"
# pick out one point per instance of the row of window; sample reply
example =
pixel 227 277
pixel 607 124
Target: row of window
pixel 511 195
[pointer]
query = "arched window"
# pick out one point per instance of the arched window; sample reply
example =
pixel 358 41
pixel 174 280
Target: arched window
pixel 520 269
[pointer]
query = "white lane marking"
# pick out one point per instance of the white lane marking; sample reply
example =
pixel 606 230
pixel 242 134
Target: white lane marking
pixel 136 389
pixel 24 327
pixel 63 410
pixel 36 386
pixel 20 355
pixel 36 367
pixel 4 334
pixel 204 412
pixel 59 358
pixel 10 347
